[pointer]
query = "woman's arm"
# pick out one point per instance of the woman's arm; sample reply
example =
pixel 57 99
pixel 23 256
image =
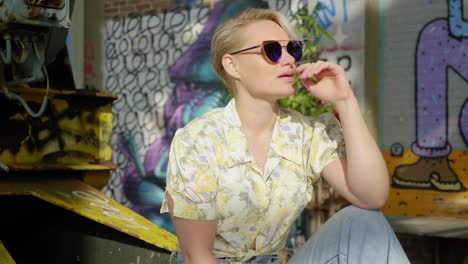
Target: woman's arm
pixel 362 178
pixel 191 188
pixel 195 237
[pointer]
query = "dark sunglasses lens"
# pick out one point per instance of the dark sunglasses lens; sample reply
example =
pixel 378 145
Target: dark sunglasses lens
pixel 272 50
pixel 294 48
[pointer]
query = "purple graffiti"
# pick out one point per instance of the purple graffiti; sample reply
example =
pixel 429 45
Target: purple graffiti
pixel 143 183
pixel 437 51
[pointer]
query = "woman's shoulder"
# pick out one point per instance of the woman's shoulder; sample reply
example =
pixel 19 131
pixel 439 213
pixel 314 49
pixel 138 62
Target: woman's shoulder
pixel 202 126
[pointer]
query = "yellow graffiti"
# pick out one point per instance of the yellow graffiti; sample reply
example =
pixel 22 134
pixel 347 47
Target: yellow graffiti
pixel 407 202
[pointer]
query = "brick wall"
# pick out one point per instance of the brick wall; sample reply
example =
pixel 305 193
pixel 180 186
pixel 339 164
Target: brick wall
pixel 123 8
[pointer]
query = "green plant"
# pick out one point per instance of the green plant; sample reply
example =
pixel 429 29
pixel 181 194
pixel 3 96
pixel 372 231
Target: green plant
pixel 309 29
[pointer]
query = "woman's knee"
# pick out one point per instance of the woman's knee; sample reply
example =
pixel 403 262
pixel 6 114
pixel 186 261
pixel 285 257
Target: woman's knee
pixel 363 218
pixel 354 212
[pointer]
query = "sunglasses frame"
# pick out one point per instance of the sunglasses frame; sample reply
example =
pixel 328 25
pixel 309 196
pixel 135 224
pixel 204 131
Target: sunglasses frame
pixel 263 52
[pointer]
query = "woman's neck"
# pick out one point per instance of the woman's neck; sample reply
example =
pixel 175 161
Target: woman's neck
pixel 256 116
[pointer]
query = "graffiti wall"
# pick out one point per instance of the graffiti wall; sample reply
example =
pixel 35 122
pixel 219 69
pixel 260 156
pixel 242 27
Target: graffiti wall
pixel 159 67
pixel 344 20
pixel 425 106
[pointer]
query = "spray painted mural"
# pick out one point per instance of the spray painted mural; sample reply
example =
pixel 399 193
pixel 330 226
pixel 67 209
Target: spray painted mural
pixel 159 67
pixel 345 19
pixel 426 134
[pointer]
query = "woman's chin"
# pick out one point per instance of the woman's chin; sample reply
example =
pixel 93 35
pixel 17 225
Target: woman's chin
pixel 288 91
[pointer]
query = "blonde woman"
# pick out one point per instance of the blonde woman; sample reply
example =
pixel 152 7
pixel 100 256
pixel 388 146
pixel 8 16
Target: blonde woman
pixel 239 176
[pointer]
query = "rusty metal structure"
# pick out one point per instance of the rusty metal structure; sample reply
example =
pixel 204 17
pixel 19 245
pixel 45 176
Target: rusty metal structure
pixel 33 35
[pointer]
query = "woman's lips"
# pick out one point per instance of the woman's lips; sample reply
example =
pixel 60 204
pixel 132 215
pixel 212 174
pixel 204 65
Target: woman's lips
pixel 288 76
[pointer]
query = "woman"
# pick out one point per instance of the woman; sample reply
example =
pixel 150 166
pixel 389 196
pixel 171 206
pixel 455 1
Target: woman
pixel 239 176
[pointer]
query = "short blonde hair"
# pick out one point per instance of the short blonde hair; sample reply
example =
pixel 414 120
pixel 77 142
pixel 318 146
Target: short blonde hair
pixel 227 35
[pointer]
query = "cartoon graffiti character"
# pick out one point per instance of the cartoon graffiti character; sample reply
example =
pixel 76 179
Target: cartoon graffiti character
pixel 442 44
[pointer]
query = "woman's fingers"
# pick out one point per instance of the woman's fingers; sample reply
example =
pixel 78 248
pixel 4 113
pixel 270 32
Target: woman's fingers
pixel 302 68
pixel 331 83
pixel 312 70
pixel 319 68
pixel 306 72
pixel 322 66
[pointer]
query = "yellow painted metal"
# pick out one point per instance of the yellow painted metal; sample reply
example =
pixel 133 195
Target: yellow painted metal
pixel 5 257
pixel 74 132
pixel 97 179
pixel 86 201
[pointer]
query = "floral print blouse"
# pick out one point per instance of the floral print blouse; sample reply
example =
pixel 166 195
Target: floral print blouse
pixel 211 175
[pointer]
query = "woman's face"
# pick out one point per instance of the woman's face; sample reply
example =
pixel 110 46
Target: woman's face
pixel 258 76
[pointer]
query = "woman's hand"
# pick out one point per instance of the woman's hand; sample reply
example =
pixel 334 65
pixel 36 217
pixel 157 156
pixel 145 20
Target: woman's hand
pixel 332 85
pixel 363 183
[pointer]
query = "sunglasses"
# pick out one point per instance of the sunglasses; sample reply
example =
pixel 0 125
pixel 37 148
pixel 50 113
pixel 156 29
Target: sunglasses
pixel 273 50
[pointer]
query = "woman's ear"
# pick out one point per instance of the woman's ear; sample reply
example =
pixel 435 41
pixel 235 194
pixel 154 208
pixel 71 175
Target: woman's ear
pixel 230 66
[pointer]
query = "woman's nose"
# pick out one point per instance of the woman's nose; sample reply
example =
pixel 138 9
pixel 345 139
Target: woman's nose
pixel 286 58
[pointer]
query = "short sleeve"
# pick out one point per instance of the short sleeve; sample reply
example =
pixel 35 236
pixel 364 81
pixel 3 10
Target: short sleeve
pixel 327 143
pixel 190 180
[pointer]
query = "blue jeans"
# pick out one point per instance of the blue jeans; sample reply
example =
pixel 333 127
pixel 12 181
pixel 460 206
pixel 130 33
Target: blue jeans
pixel 353 235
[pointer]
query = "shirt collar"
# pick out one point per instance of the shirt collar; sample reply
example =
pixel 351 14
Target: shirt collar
pixel 236 141
pixel 286 139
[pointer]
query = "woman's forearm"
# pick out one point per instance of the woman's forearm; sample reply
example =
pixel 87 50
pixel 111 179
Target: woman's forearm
pixel 367 175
